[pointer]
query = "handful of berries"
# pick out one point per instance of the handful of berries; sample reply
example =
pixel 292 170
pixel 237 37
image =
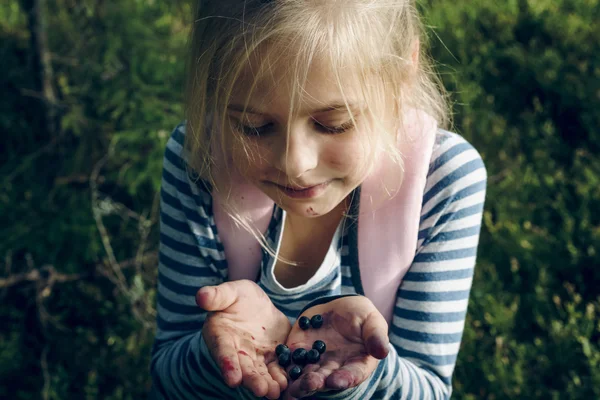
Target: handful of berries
pixel 301 356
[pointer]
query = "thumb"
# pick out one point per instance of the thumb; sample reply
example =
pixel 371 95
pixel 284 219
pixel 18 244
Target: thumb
pixel 375 335
pixel 217 298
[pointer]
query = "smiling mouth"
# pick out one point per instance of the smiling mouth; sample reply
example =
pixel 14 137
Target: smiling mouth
pixel 300 188
pixel 303 191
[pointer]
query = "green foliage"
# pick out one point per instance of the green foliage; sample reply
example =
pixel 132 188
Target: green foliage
pixel 525 80
pixel 119 76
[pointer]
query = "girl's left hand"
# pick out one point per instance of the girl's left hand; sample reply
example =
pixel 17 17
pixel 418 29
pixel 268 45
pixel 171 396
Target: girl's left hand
pixel 356 336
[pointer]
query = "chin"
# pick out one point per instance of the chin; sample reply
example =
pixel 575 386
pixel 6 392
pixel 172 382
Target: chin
pixel 308 209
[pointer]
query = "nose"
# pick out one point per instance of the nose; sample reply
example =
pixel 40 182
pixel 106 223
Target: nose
pixel 297 153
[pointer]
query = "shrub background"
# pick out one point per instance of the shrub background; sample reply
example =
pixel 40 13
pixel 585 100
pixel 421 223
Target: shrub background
pixel 91 90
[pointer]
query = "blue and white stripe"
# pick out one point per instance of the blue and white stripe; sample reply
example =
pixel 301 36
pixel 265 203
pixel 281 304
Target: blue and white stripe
pixel 431 304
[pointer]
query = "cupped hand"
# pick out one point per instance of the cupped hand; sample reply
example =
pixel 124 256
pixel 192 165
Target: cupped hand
pixel 356 338
pixel 241 332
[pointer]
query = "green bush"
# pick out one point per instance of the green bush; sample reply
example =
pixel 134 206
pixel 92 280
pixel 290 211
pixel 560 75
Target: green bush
pixel 525 78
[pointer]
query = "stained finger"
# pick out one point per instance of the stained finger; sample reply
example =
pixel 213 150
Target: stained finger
pixel 251 377
pixel 375 335
pixel 307 384
pixel 311 380
pixel 351 374
pixel 325 369
pixel 227 359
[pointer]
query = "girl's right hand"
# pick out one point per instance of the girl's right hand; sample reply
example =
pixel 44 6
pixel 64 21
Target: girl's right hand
pixel 241 332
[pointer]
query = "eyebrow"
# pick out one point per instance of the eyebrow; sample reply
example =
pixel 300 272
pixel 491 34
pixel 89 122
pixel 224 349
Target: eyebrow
pixel 331 107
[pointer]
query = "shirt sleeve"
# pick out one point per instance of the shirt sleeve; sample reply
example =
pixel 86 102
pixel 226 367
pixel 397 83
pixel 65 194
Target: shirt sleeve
pixel 432 300
pixel 189 257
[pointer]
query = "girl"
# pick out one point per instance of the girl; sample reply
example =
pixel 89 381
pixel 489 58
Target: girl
pixel 313 162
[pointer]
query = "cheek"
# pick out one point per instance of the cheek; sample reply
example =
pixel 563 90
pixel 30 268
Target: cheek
pixel 345 156
pixel 250 158
pixel 336 160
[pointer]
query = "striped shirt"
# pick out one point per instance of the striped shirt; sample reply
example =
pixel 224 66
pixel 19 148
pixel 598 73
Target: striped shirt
pixel 431 302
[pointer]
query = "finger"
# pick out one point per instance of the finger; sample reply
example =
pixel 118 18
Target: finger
pixel 351 374
pixel 311 368
pixel 251 378
pixel 226 358
pixel 311 380
pixel 217 298
pixel 278 375
pixel 325 369
pixel 306 368
pixel 273 389
pixel 375 335
pixel 307 384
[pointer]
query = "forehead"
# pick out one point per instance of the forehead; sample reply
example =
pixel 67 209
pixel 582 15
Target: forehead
pixel 278 82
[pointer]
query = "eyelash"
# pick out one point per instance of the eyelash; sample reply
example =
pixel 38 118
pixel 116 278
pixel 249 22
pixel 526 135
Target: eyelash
pixel 261 130
pixel 251 130
pixel 334 130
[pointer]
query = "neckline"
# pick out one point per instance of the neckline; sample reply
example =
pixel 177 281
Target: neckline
pixel 327 265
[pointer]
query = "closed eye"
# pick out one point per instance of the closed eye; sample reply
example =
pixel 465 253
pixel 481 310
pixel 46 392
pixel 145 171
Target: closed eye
pixel 249 130
pixel 346 126
pixel 252 130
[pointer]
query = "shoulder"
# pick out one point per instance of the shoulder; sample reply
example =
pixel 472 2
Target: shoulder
pixel 456 180
pixel 455 189
pixel 174 151
pixel 175 166
pixel 173 156
pixel 455 164
pixel 451 149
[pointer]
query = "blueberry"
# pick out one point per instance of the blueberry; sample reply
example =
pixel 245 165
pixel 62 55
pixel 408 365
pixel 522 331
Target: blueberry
pixel 295 372
pixel 285 359
pixel 299 356
pixel 281 348
pixel 316 321
pixel 304 323
pixel 319 345
pixel 313 356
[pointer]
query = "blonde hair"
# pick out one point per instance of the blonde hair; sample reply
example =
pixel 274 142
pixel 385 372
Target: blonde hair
pixel 371 41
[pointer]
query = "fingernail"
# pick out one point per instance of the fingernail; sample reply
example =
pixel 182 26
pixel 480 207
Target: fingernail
pixel 341 383
pixel 344 383
pixel 341 379
pixel 202 295
pixel 376 348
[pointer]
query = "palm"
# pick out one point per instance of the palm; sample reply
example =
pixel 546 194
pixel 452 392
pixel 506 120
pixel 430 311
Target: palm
pixel 255 338
pixel 242 336
pixel 347 361
pixel 343 341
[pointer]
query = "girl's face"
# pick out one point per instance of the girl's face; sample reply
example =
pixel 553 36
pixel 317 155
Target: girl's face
pixel 313 169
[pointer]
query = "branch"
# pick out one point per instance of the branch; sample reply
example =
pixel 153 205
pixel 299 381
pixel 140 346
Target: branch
pixel 40 33
pixel 75 179
pixel 112 260
pixel 144 228
pixel 117 276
